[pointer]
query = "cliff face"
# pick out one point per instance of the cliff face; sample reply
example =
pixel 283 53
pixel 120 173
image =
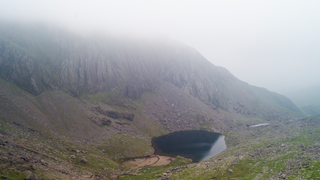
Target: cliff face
pixel 39 59
pixel 73 64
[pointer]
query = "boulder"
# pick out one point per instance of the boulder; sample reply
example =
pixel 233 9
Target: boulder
pixel 4 159
pixel 31 176
pixel 44 163
pixel 83 160
pixel 106 122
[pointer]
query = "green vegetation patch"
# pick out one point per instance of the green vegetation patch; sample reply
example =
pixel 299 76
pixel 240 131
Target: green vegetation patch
pixel 12 175
pixel 126 146
pixel 153 172
pixel 312 171
pixel 96 162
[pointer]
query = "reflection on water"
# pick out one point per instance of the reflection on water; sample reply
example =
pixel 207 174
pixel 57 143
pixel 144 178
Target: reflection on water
pixel 196 145
pixel 216 148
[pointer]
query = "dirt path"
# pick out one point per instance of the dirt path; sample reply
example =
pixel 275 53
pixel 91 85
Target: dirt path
pixel 163 160
pixel 138 163
pixel 153 160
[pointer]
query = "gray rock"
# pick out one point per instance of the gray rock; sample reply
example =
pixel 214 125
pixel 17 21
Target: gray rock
pixel 4 159
pixel 83 160
pixel 230 170
pixel 31 176
pixel 44 163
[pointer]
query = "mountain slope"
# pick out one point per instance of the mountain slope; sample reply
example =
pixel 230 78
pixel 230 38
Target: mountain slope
pixel 311 110
pixel 39 59
pixel 42 59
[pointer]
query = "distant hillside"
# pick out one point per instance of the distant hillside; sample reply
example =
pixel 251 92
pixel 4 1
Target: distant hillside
pixel 306 97
pixel 311 110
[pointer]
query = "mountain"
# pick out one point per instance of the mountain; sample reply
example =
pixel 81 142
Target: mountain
pixel 311 110
pixel 306 97
pixel 104 93
pixel 43 60
pixel 308 100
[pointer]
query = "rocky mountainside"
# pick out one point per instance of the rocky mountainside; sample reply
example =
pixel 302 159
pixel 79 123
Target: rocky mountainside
pixel 104 97
pixel 44 60
pixel 39 59
pixel 47 61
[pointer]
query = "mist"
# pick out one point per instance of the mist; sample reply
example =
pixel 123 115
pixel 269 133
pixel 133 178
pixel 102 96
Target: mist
pixel 269 44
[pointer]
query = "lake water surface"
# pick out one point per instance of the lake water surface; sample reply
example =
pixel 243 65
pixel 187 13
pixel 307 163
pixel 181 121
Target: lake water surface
pixel 197 145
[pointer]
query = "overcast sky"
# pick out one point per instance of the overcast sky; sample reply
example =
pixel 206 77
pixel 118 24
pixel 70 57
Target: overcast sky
pixel 271 44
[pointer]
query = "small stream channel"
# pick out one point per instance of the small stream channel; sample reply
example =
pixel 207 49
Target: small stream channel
pixel 197 145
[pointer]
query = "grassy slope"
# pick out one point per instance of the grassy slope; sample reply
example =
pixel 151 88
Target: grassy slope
pixel 62 118
pixel 278 151
pixel 252 153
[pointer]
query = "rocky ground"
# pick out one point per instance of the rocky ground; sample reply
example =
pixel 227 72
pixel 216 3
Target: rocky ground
pixel 56 136
pixel 282 150
pixel 31 155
